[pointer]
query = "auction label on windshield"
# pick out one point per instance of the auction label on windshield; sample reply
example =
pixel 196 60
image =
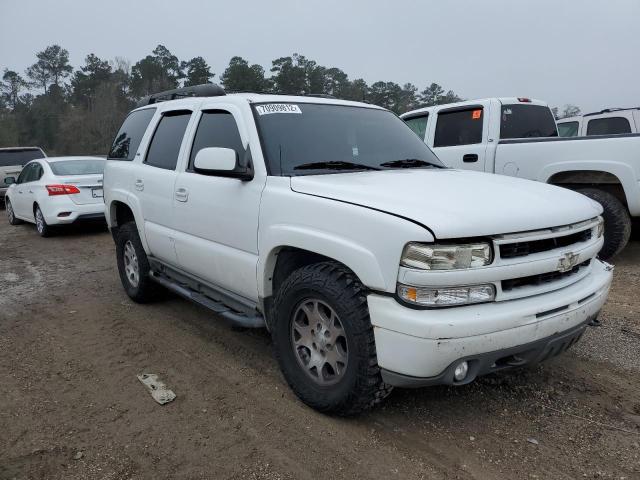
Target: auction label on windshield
pixel 269 108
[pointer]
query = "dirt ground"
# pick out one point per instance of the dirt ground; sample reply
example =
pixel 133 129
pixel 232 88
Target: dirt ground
pixel 71 407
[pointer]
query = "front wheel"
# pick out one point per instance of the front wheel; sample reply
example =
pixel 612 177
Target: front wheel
pixel 324 342
pixel 133 265
pixel 617 221
pixel 11 215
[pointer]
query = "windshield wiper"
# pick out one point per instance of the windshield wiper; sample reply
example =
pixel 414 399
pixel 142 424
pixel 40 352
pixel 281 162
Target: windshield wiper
pixel 408 163
pixel 334 165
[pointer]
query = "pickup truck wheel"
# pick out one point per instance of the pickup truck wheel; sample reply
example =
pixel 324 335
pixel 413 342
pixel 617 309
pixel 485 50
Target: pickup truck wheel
pixel 13 220
pixel 133 265
pixel 323 340
pixel 617 221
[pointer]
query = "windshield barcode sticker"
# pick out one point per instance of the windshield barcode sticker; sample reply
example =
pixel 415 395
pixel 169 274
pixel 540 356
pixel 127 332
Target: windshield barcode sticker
pixel 268 108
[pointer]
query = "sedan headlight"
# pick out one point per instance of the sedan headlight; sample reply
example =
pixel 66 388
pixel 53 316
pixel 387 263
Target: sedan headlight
pixel 446 257
pixel 446 296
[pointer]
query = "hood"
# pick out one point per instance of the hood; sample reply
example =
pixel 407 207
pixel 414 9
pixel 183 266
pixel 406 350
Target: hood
pixel 455 203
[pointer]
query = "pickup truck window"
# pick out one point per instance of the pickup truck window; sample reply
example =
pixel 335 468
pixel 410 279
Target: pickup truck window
pixel 167 139
pixel 568 129
pixel 217 128
pixel 418 124
pixel 527 121
pixel 460 127
pixel 13 158
pixel 314 138
pixel 128 138
pixel 608 126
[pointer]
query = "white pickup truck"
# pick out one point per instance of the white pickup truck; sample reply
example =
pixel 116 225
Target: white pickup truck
pixel 518 137
pixel 333 225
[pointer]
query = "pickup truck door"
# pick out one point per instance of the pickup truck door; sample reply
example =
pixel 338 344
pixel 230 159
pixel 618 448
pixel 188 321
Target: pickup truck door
pixel 459 135
pixel 154 181
pixel 217 216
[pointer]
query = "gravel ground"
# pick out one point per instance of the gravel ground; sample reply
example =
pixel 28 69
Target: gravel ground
pixel 71 345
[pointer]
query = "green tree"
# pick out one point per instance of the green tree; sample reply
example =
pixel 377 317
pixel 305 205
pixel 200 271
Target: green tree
pixel 154 73
pixel 197 72
pixel 51 68
pixel 570 110
pixel 239 76
pixel 86 81
pixel 10 87
pixel 356 90
pixel 295 75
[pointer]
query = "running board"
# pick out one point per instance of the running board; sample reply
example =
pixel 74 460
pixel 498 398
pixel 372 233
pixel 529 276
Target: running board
pixel 236 319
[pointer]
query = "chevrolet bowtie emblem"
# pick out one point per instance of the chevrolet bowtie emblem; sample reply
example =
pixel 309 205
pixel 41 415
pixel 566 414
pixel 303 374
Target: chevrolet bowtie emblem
pixel 567 261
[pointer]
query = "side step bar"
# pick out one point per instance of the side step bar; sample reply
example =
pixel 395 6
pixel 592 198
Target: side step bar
pixel 232 317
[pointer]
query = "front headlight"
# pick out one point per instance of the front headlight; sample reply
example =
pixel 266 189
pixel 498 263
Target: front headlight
pixel 446 296
pixel 446 257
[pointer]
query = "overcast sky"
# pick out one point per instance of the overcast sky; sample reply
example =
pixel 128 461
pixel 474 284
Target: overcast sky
pixel 584 52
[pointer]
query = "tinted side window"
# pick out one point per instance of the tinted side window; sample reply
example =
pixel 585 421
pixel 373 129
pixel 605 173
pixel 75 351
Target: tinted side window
pixel 462 127
pixel 128 139
pixel 568 129
pixel 418 124
pixel 38 172
pixel 24 174
pixel 608 126
pixel 166 141
pixel 216 129
pixel 527 121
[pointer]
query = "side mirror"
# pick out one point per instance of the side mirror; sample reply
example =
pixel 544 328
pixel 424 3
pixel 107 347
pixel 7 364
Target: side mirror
pixel 222 162
pixel 9 180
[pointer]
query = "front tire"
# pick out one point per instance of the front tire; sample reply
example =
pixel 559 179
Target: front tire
pixel 617 221
pixel 43 229
pixel 324 342
pixel 133 265
pixel 11 215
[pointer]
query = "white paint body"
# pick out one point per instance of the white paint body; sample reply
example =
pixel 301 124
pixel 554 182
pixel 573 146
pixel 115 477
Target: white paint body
pixel 541 158
pixel 228 233
pixel 632 117
pixel 25 196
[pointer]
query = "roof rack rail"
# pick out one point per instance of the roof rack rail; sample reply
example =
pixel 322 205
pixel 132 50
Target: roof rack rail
pixel 609 110
pixel 319 95
pixel 203 90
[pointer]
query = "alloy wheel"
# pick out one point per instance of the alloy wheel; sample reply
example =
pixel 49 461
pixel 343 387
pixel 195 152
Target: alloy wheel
pixel 131 267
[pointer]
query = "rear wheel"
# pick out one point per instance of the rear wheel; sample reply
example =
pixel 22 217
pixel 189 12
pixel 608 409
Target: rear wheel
pixel 617 221
pixel 133 265
pixel 41 224
pixel 13 220
pixel 323 340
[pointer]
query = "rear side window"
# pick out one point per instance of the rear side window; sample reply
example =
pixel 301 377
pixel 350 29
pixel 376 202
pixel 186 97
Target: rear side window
pixel 460 127
pixel 130 134
pixel 418 124
pixel 77 167
pixel 18 157
pixel 31 173
pixel 527 121
pixel 608 126
pixel 217 128
pixel 165 144
pixel 568 129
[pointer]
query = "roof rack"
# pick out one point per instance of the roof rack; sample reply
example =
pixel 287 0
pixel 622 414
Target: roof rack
pixel 203 90
pixel 609 110
pixel 319 95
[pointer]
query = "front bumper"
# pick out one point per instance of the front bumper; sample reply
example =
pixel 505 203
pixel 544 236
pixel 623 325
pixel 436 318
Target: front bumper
pixel 422 347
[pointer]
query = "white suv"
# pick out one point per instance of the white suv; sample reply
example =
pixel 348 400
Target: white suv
pixel 332 224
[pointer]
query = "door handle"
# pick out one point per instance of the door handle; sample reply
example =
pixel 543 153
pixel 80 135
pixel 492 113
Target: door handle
pixel 470 158
pixel 30 191
pixel 182 194
pixel 139 185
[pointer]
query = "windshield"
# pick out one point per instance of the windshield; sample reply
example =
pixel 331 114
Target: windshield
pixel 77 167
pixel 311 139
pixel 14 158
pixel 526 121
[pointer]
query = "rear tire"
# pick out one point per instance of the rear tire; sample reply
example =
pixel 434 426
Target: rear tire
pixel 617 221
pixel 13 220
pixel 133 265
pixel 43 229
pixel 328 296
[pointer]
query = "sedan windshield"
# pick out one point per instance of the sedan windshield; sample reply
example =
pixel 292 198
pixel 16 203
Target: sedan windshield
pixel 77 167
pixel 312 139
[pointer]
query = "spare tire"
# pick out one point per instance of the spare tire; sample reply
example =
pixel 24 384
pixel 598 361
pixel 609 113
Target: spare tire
pixel 617 221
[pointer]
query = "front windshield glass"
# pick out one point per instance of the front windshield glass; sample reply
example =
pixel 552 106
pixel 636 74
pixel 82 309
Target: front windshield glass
pixel 312 139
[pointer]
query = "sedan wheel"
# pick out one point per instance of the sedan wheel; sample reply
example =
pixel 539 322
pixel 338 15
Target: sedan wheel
pixel 41 225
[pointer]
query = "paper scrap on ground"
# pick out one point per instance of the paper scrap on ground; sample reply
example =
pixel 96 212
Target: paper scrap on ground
pixel 156 388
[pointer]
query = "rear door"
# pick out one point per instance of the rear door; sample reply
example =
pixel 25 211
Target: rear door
pixel 459 135
pixel 154 182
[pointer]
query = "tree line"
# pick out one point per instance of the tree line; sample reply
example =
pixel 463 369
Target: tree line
pixel 77 111
pixel 67 110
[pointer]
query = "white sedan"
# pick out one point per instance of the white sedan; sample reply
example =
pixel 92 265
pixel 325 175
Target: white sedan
pixel 56 191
